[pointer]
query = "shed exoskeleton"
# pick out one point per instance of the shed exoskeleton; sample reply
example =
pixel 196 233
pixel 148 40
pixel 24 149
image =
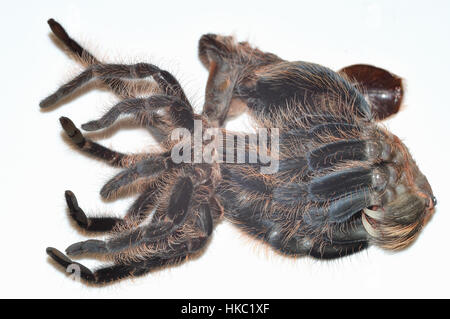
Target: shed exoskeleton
pixel 342 181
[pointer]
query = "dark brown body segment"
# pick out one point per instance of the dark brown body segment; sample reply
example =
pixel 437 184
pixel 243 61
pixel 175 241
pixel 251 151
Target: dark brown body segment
pixel 383 89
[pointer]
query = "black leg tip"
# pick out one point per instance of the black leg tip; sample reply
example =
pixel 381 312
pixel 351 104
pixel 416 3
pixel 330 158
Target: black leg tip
pixel 66 123
pixel 50 250
pixel 72 131
pixel 107 191
pixel 75 211
pixel 65 262
pixel 69 193
pixel 88 246
pixel 68 126
pixel 71 200
pixel 75 249
pixel 48 101
pixel 57 29
pixel 91 126
pixel 58 256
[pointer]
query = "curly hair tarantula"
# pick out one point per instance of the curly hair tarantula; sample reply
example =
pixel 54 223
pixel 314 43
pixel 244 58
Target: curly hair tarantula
pixel 343 181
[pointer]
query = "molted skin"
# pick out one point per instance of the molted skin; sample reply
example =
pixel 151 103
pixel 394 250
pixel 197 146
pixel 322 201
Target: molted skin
pixel 343 182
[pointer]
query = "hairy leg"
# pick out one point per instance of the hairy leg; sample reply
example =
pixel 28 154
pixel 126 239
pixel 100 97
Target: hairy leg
pixel 164 250
pixel 177 212
pixel 272 214
pixel 345 238
pixel 228 63
pixel 118 86
pixel 137 212
pixel 92 148
pixel 123 270
pixel 150 168
pixel 179 113
pixel 166 82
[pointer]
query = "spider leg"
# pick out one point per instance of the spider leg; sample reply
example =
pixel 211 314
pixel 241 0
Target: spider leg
pixel 153 234
pixel 228 63
pixel 123 270
pixel 71 44
pixel 162 250
pixel 137 212
pixel 180 113
pixel 149 168
pixel 66 262
pixel 94 149
pixel 165 80
pixel 335 197
pixel 352 239
pixel 117 71
pixel 221 81
pixel 144 204
pixel 118 86
pixel 345 239
pixel 246 196
pixel 109 273
pixel 97 224
pixel 177 211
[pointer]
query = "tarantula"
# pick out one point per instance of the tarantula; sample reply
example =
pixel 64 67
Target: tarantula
pixel 343 181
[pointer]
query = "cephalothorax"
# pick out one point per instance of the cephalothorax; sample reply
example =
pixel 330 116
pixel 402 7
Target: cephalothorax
pixel 342 181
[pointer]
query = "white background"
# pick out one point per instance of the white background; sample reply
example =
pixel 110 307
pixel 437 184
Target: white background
pixel 409 38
